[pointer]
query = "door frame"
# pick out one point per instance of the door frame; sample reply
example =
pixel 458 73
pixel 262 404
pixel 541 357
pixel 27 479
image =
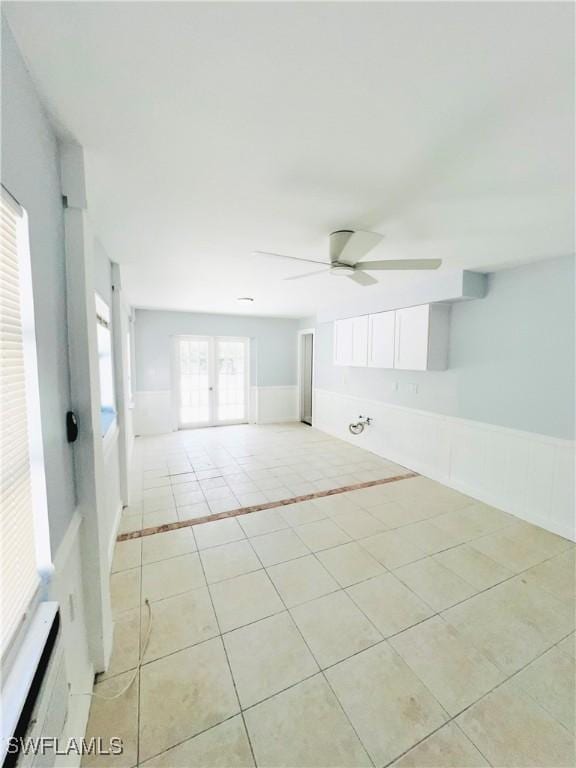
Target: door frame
pixel 212 356
pixel 89 471
pixel 306 332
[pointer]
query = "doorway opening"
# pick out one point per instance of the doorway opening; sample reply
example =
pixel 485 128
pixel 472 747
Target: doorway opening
pixel 306 375
pixel 211 380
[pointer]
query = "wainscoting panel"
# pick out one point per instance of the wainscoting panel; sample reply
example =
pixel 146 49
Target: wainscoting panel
pixel 529 475
pixel 153 413
pixel 67 588
pixel 274 404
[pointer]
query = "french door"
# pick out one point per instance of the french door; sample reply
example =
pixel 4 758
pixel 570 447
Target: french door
pixel 212 380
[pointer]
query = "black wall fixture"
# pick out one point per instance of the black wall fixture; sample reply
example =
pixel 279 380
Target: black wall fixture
pixel 71 426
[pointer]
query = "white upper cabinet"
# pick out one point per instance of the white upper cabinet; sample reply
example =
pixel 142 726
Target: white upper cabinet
pixel 411 339
pixel 381 339
pixel 411 349
pixel 421 338
pixel 351 341
pixel 343 342
pixel 360 340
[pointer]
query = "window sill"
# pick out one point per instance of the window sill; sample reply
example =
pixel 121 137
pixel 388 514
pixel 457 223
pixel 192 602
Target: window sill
pixel 110 438
pixel 108 418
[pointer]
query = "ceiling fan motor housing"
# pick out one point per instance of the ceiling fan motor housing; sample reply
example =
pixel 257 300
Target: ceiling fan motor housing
pixel 341 270
pixel 338 242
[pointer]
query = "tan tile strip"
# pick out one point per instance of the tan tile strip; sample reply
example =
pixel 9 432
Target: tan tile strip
pixel 259 507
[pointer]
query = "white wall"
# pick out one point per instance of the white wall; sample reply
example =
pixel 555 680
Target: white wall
pixel 306 322
pixel 112 490
pixel 499 423
pixel 511 357
pixel 102 273
pixel 119 437
pixel 272 353
pixel 30 172
pixel 273 363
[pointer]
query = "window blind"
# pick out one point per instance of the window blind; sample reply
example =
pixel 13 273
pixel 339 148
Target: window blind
pixel 18 568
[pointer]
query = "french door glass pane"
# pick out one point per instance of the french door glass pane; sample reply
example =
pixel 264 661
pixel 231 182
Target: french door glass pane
pixel 194 381
pixel 231 373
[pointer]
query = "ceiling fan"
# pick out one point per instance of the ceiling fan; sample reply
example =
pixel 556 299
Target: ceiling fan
pixel 347 248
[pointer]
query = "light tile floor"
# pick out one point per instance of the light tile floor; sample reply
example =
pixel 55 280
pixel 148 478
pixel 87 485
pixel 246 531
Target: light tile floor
pixel 199 472
pixel 404 624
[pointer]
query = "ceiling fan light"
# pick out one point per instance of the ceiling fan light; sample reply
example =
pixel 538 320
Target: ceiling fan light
pixel 341 270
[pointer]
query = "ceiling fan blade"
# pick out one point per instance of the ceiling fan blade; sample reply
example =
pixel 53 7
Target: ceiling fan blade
pixel 358 245
pixel 362 278
pixel 402 264
pixel 307 274
pixel 283 256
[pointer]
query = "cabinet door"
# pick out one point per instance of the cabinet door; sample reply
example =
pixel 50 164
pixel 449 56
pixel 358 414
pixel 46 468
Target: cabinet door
pixel 343 342
pixel 360 340
pixel 411 349
pixel 381 340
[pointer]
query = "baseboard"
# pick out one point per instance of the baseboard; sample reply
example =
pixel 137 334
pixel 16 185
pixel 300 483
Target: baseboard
pixel 277 421
pixel 527 474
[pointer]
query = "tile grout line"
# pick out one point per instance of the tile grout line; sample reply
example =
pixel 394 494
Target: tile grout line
pixel 453 718
pixel 320 670
pixel 260 507
pixel 507 677
pixel 450 719
pixel 221 636
pixel 370 647
pixel 188 738
pixel 358 540
pixel 387 571
pixel 436 613
pixel 278 502
pixel 220 474
pixel 385 639
pixel 465 735
pixel 140 660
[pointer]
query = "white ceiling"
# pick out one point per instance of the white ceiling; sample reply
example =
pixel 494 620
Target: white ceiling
pixel 215 129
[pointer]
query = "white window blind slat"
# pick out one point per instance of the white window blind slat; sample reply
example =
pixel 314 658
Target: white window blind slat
pixel 18 566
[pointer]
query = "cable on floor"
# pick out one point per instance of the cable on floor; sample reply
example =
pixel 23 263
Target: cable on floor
pixel 135 672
